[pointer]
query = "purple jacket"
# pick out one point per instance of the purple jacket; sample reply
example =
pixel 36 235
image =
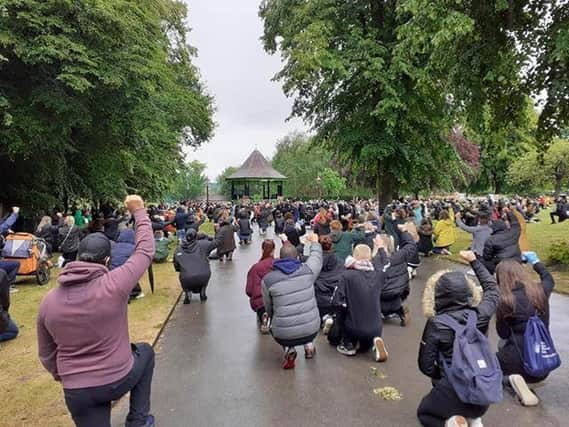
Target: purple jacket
pixel 83 323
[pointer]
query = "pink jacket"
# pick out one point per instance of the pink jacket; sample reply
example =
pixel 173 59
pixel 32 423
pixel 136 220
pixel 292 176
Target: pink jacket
pixel 254 278
pixel 82 324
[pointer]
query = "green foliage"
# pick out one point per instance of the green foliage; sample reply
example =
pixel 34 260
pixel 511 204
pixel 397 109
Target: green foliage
pixel 332 183
pixel 96 99
pixel 301 162
pixel 224 185
pixel 535 170
pixel 559 253
pixel 190 181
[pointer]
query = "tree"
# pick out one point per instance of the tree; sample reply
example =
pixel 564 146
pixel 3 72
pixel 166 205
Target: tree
pixel 224 185
pixel 97 99
pixel 190 181
pixel 333 184
pixel 535 171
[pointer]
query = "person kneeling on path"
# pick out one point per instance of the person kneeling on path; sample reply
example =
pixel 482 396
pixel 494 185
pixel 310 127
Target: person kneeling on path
pixel 451 299
pixel 82 328
pixel 327 282
pixel 288 296
pixel 521 298
pixel 361 288
pixel 192 261
pixel 254 288
pixel 8 328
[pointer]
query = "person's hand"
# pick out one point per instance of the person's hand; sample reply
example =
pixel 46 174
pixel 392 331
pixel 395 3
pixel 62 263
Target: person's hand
pixel 530 257
pixel 458 215
pixel 59 215
pixel 378 242
pixel 283 237
pixel 468 256
pixel 15 209
pixel 133 203
pixel 312 238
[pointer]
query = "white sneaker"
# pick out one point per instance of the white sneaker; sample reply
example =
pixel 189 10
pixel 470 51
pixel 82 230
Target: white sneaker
pixel 13 289
pixel 328 323
pixel 526 396
pixel 456 421
pixel 475 422
pixel 379 350
pixel 140 295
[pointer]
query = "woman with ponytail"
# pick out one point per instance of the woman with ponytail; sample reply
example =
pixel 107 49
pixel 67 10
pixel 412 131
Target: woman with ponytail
pixel 254 278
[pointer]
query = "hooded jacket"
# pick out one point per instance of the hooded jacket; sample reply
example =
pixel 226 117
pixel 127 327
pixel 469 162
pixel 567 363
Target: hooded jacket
pixel 512 329
pixel 82 324
pixel 122 249
pixel 288 296
pixel 396 287
pixel 255 276
pixel 192 262
pixel 327 281
pixel 344 242
pixel 453 293
pixel 503 243
pixel 445 231
pixel 225 238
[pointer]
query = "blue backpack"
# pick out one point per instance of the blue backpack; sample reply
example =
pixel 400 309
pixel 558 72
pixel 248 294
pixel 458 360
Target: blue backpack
pixel 539 355
pixel 474 373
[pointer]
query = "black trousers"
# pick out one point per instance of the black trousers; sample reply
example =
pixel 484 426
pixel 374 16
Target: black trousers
pixel 442 403
pixel 91 407
pixel 560 216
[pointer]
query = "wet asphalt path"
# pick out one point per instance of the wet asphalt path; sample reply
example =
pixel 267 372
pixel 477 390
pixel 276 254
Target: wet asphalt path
pixel 214 369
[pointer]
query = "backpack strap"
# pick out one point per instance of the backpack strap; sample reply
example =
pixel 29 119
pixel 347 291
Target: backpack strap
pixel 448 320
pixel 471 319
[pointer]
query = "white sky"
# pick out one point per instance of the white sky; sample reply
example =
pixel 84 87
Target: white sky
pixel 251 109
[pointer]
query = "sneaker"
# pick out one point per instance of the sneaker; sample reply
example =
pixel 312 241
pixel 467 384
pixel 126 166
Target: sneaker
pixel 328 323
pixel 309 351
pixel 379 350
pixel 140 295
pixel 347 349
pixel 265 323
pixel 405 317
pixel 456 421
pixel 13 289
pixel 475 422
pixel 187 297
pixel 446 252
pixel 289 358
pixel 526 396
pixel 150 421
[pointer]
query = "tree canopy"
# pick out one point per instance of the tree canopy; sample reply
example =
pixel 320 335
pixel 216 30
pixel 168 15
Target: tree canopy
pixel 97 99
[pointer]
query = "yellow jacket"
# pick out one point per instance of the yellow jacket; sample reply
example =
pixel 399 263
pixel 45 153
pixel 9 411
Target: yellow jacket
pixel 445 231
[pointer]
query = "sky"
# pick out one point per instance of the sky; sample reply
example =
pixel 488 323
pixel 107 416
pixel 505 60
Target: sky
pixel 251 109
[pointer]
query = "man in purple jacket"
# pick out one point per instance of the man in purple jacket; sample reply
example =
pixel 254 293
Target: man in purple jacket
pixel 83 330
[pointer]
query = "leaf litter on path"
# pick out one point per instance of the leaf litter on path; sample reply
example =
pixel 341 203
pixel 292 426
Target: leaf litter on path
pixel 388 393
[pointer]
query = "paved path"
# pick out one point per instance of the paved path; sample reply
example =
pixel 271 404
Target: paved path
pixel 215 369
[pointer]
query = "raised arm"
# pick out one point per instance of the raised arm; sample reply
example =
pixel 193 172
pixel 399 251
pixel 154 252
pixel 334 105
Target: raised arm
pixel 10 221
pixel 491 296
pixel 315 259
pixel 125 277
pixel 465 227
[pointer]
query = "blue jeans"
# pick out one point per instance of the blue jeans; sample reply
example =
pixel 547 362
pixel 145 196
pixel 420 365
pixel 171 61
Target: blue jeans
pixel 11 332
pixel 11 268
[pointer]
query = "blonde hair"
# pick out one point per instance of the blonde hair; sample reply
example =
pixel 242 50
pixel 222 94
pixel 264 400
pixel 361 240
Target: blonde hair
pixel 45 220
pixel 362 252
pixel 69 221
pixel 389 243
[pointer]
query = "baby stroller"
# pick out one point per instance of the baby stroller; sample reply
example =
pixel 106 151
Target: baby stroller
pixel 31 253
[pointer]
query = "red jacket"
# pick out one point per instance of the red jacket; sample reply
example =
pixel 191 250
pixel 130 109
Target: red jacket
pixel 254 278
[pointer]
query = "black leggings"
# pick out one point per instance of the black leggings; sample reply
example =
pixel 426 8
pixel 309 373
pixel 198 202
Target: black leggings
pixel 442 403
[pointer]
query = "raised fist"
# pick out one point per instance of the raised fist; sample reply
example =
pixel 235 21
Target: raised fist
pixel 134 203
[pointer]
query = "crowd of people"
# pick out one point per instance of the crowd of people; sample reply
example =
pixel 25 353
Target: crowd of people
pixel 343 269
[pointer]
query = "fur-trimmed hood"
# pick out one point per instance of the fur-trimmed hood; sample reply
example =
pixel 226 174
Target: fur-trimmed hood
pixel 448 291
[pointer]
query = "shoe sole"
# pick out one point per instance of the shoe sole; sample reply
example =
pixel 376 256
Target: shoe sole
pixel 379 350
pixel 457 422
pixel 526 396
pixel 327 326
pixel 289 362
pixel 346 353
pixel 310 354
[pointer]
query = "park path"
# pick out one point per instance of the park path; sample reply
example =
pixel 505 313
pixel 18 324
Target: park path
pixel 214 369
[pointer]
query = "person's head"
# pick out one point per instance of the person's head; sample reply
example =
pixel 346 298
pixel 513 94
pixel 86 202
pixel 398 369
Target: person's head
pixel 288 251
pixel 45 221
pixel 268 248
pixel 483 218
pixel 443 215
pixel 326 243
pixel 447 291
pixel 69 221
pixel 509 274
pixel 159 234
pixel 191 235
pixel 336 225
pixel 95 248
pixel 362 253
pixel 389 243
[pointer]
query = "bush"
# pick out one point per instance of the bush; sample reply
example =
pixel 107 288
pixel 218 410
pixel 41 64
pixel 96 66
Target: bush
pixel 559 253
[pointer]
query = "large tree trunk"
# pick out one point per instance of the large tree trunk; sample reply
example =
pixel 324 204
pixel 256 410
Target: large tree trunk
pixel 558 184
pixel 385 187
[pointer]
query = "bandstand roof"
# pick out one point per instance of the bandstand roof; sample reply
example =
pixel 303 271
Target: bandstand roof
pixel 256 167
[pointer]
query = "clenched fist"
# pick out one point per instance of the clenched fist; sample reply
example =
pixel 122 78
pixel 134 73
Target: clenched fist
pixel 134 203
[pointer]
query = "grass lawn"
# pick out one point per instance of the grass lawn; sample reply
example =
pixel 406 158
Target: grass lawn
pixel 541 235
pixel 30 397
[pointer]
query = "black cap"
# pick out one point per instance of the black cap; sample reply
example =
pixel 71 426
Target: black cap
pixel 94 248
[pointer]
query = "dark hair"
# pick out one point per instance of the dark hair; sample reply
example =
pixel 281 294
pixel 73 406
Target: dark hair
pixel 483 218
pixel 268 248
pixel 326 242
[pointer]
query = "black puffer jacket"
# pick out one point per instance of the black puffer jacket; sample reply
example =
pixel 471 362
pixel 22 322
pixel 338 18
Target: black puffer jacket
pixel 453 293
pixel 191 260
pixel 502 243
pixel 512 329
pixel 327 281
pixel 396 275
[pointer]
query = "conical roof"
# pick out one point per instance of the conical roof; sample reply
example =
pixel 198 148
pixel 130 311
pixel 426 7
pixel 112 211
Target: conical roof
pixel 256 167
